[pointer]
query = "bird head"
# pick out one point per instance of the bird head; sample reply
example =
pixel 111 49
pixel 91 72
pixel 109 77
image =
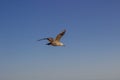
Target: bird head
pixel 61 44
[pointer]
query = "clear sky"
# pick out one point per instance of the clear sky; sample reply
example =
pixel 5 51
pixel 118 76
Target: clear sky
pixel 92 40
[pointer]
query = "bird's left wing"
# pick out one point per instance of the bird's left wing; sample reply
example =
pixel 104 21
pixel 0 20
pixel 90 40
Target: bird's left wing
pixel 50 39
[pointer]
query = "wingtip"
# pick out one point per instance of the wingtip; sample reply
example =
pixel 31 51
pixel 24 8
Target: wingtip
pixel 41 39
pixel 64 30
pixel 38 40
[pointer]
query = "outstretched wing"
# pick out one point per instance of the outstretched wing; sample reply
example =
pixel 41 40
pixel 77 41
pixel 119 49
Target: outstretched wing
pixel 58 37
pixel 49 39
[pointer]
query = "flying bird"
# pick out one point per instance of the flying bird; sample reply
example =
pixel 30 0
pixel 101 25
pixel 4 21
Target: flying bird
pixel 55 41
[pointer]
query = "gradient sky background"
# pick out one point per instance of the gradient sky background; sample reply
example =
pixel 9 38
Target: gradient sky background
pixel 92 40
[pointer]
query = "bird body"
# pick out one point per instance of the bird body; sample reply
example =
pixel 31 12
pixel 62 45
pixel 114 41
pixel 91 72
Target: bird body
pixel 56 41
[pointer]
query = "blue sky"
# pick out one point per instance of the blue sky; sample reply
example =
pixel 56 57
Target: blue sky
pixel 92 40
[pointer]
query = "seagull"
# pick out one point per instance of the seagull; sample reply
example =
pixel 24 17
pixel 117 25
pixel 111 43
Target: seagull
pixel 56 41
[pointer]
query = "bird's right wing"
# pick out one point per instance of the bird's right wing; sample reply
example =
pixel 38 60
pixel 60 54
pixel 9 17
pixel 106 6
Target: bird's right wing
pixel 58 37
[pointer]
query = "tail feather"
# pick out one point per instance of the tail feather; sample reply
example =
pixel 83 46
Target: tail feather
pixel 48 44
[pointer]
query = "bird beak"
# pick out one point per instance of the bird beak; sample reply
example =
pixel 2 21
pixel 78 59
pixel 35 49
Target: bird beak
pixel 64 45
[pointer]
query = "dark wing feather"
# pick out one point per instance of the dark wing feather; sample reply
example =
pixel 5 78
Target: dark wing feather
pixel 58 37
pixel 49 39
